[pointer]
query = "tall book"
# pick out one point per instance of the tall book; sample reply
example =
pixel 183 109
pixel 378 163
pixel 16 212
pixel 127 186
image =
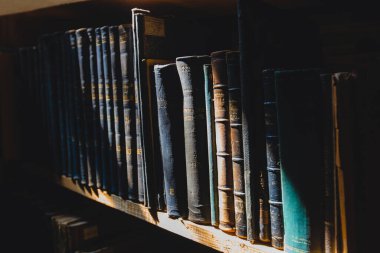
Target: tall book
pixel 223 141
pixel 273 159
pixel 126 60
pixel 117 96
pixel 96 152
pixel 300 129
pixel 211 143
pixel 170 119
pixel 233 74
pixel 85 99
pixel 103 128
pixel 110 110
pixel 190 69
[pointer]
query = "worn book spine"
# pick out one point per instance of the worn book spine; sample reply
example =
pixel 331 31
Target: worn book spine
pixel 300 130
pixel 77 107
pixel 96 154
pixel 85 100
pixel 223 141
pixel 170 120
pixel 103 130
pixel 109 108
pixel 117 95
pixel 273 159
pixel 211 142
pixel 126 60
pixel 190 71
pixel 233 73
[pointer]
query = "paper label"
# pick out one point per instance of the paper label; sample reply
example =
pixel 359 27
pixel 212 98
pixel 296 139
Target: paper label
pixel 154 26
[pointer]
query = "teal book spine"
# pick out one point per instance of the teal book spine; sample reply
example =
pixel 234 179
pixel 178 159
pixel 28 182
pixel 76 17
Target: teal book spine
pixel 211 142
pixel 300 129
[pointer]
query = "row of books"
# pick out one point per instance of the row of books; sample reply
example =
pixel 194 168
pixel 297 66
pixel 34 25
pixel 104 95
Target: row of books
pixel 173 135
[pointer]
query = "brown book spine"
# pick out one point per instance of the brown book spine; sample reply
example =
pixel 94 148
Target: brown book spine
pixel 223 142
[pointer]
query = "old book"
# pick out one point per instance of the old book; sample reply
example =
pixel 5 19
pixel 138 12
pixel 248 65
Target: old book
pixel 85 99
pixel 117 97
pixel 234 103
pixel 300 130
pixel 211 143
pixel 190 71
pixel 273 159
pixel 223 141
pixel 96 154
pixel 170 120
pixel 126 60
pixel 112 172
pixel 103 128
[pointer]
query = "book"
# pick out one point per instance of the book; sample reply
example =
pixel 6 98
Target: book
pixel 211 143
pixel 117 97
pixel 273 159
pixel 190 70
pixel 300 130
pixel 96 154
pixel 85 100
pixel 103 131
pixel 170 119
pixel 112 172
pixel 223 141
pixel 126 61
pixel 233 74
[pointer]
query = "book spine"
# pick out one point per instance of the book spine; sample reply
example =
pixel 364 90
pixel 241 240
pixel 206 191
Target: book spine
pixel 300 131
pixel 170 114
pixel 273 160
pixel 77 108
pixel 126 60
pixel 211 142
pixel 109 108
pixel 190 71
pixel 223 142
pixel 102 112
pixel 233 73
pixel 85 100
pixel 96 154
pixel 117 95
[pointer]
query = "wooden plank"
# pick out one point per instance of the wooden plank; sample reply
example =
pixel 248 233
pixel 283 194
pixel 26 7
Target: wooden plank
pixel 206 235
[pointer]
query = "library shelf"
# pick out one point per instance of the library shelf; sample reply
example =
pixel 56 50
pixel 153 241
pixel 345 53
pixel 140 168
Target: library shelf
pixel 206 235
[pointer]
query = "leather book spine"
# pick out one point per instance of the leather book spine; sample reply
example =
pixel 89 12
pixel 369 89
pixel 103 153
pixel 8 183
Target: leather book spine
pixel 103 131
pixel 170 120
pixel 117 96
pixel 126 60
pixel 233 74
pixel 190 70
pixel 273 160
pixel 109 108
pixel 77 107
pixel 300 131
pixel 211 142
pixel 96 154
pixel 85 87
pixel 223 141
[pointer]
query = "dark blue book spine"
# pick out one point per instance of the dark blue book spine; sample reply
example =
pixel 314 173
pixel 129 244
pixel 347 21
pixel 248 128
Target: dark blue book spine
pixel 170 120
pixel 76 88
pixel 96 154
pixel 109 106
pixel 300 131
pixel 273 159
pixel 117 95
pixel 85 87
pixel 190 71
pixel 213 173
pixel 103 130
pixel 126 60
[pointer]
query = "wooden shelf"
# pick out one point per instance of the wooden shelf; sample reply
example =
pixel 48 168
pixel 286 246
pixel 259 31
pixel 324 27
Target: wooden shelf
pixel 206 235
